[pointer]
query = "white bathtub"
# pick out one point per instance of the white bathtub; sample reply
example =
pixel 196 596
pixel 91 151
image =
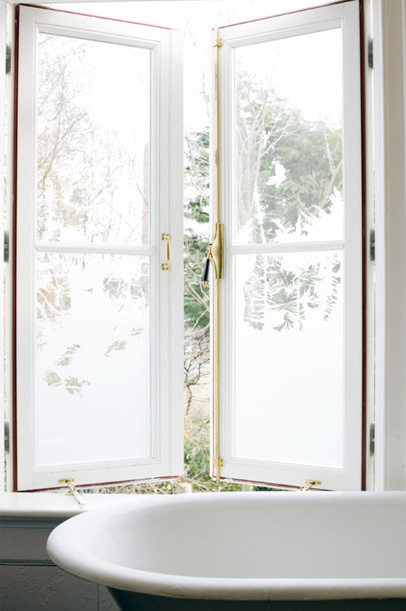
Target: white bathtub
pixel 265 546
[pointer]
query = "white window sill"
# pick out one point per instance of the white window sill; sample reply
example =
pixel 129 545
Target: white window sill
pixel 60 505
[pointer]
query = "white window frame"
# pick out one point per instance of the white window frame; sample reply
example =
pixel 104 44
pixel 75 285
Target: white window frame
pixel 389 93
pixel 166 286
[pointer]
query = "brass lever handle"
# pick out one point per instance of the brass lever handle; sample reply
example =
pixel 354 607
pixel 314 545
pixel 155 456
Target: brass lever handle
pixel 165 266
pixel 309 483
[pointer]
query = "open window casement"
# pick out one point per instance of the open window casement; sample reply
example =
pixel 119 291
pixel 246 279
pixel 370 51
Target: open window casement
pixel 288 331
pixel 98 290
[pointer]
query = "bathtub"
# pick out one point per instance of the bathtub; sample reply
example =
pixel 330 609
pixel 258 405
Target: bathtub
pixel 232 551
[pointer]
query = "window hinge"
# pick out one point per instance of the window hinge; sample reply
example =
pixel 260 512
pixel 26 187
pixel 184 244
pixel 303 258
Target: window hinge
pixel 372 244
pixel 8 59
pixel 6 247
pixel 6 437
pixel 372 439
pixel 370 53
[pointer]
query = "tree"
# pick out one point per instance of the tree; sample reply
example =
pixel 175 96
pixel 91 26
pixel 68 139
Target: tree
pixel 289 174
pixel 91 189
pixel 196 300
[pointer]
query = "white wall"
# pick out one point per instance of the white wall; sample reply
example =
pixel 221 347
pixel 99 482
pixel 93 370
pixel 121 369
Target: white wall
pixel 390 163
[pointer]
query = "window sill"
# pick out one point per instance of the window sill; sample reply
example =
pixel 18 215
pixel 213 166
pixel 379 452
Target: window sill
pixel 45 505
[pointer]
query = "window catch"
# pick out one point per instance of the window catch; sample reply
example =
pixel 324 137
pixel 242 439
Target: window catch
pixel 372 439
pixel 215 253
pixel 69 482
pixel 8 59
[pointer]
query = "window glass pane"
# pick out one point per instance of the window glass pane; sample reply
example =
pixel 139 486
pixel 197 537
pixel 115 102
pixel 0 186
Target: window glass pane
pixel 93 369
pixel 289 350
pixel 93 145
pixel 288 139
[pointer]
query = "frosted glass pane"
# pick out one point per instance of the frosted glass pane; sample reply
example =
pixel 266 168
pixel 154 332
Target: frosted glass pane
pixel 289 377
pixel 93 146
pixel 288 139
pixel 93 369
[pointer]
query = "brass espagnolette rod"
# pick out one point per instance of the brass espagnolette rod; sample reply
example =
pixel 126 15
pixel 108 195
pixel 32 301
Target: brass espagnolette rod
pixel 165 266
pixel 309 483
pixel 216 258
pixel 69 482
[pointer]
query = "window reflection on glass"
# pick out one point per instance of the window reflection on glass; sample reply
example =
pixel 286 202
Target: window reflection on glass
pixel 93 367
pixel 289 348
pixel 288 139
pixel 93 144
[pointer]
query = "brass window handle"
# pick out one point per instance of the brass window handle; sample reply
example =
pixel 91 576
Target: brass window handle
pixel 165 266
pixel 215 254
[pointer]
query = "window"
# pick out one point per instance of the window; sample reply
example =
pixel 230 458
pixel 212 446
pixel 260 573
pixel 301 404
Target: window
pixel 291 301
pixel 99 317
pixel 99 325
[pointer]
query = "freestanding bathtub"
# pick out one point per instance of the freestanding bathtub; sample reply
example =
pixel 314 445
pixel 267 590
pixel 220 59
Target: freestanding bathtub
pixel 235 551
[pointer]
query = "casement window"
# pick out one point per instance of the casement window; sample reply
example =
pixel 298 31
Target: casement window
pixel 98 360
pixel 99 289
pixel 291 202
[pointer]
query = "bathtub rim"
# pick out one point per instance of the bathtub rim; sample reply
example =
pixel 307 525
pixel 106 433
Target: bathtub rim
pixel 87 566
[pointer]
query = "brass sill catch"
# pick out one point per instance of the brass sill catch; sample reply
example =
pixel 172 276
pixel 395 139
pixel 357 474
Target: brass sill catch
pixel 309 483
pixel 69 482
pixel 218 463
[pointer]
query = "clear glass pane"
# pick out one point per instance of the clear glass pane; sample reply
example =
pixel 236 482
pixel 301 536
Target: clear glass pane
pixel 93 370
pixel 289 347
pixel 288 140
pixel 93 146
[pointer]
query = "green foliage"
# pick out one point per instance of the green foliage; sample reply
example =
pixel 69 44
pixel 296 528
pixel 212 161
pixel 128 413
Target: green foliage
pixel 196 301
pixel 197 458
pixel 197 184
pixel 197 211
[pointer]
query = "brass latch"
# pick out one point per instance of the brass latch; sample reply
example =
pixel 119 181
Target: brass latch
pixel 219 41
pixel 309 483
pixel 69 482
